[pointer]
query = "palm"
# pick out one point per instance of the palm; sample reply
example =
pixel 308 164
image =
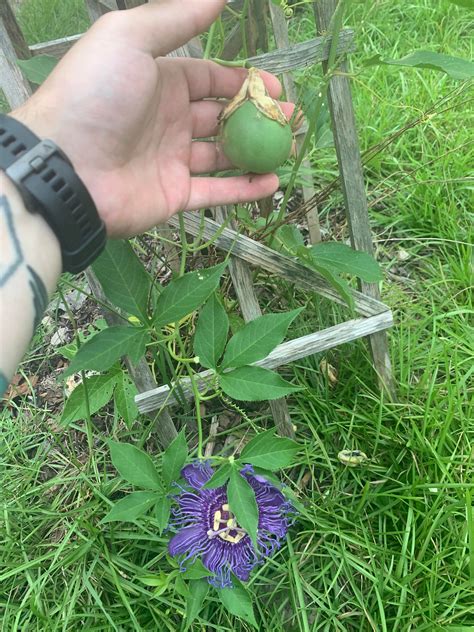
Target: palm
pixel 128 124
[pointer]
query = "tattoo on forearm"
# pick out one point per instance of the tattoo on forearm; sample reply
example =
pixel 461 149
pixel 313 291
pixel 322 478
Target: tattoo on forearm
pixel 40 296
pixel 3 384
pixel 12 258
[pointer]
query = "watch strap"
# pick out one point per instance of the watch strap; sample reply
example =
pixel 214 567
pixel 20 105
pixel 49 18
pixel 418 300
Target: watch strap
pixel 49 185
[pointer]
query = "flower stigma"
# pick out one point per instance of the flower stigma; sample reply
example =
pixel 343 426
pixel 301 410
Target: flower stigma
pixel 225 526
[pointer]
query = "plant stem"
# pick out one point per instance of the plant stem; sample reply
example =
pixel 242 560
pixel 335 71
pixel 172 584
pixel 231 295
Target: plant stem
pixel 197 399
pixel 210 37
pixel 184 245
pixel 237 63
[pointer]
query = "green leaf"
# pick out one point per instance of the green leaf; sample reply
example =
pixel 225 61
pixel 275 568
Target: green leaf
pixel 158 581
pixel 455 67
pixel 130 507
pixel 162 512
pixel 255 341
pixel 343 258
pixel 198 590
pixel 134 465
pixel 242 503
pixel 184 295
pixel 197 571
pixel 105 348
pixel 238 602
pixel 211 333
pixel 254 384
pixel 288 238
pixel 124 398
pixel 269 476
pixel 174 457
pixel 99 392
pixel 270 452
pixel 123 278
pixel 219 478
pixel 37 68
pixel 339 284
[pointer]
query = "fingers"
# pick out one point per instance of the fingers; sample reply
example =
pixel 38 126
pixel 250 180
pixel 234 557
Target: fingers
pixel 207 192
pixel 163 25
pixel 204 117
pixel 207 158
pixel 207 79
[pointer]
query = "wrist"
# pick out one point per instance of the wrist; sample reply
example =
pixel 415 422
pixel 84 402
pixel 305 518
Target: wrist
pixel 34 240
pixel 49 185
pixel 44 122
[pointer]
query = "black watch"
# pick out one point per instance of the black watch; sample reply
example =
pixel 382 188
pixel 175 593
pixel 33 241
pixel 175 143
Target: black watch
pixel 49 185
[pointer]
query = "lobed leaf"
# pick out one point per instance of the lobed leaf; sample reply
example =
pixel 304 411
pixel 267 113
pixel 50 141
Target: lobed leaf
pixel 124 398
pixel 184 295
pixel 99 392
pixel 455 67
pixel 106 347
pixel 269 452
pixel 123 278
pixel 257 338
pixel 243 504
pixel 134 465
pixel 197 571
pixel 220 477
pixel 38 68
pixel 130 507
pixel 198 589
pixel 343 258
pixel 211 333
pixel 238 602
pixel 174 457
pixel 162 512
pixel 255 384
pixel 328 273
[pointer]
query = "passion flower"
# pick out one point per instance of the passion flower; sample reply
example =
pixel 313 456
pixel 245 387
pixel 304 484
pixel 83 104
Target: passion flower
pixel 208 530
pixel 255 134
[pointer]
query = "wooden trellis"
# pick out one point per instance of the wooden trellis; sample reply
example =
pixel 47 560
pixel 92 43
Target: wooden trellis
pixel 373 317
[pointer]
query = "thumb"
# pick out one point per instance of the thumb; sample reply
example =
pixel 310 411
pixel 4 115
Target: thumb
pixel 163 25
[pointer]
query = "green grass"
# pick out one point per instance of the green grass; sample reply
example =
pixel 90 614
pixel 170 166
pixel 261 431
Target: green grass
pixel 388 546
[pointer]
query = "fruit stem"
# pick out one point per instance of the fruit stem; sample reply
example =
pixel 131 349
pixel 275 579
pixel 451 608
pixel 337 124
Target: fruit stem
pixel 239 63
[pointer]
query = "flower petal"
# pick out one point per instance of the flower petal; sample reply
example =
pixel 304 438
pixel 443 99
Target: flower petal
pixel 197 474
pixel 188 540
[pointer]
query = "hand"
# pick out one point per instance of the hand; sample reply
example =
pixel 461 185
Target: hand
pixel 127 117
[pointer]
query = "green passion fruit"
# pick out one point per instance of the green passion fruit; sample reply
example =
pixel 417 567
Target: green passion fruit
pixel 254 142
pixel 255 134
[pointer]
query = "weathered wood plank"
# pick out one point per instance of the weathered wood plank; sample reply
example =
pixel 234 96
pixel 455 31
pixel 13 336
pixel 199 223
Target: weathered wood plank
pixel 16 88
pixel 353 187
pixel 283 354
pixel 261 256
pixel 304 54
pixel 57 48
pixel 278 61
pixel 11 26
pixel 280 32
pixel 244 288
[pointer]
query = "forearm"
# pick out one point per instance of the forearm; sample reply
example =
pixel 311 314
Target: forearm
pixel 30 265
